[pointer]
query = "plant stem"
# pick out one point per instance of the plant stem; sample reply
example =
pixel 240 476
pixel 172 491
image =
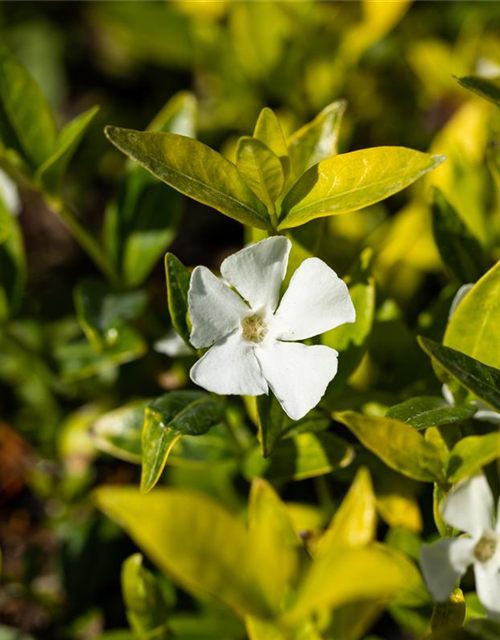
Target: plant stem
pixel 84 239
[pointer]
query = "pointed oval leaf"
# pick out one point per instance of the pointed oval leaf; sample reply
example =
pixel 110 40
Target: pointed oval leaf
pixel 459 249
pixel 167 419
pixel 474 328
pixel 307 455
pixel 26 110
pixel 470 455
pixel 187 535
pixel 355 521
pixel 484 87
pixel 397 444
pixel 429 411
pixel 118 432
pixel 195 170
pixel 352 181
pixel 261 169
pixel 268 130
pixel 317 140
pixel 13 268
pixel 480 379
pixel 51 172
pixel 178 278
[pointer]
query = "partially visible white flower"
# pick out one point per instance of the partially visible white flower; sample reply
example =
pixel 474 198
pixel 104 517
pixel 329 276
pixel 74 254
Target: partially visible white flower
pixel 469 508
pixel 252 336
pixel 484 413
pixel 9 194
pixel 172 345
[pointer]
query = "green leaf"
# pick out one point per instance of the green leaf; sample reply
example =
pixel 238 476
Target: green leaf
pixel 459 249
pixel 143 221
pixel 397 444
pixel 350 574
pixel 486 88
pixel 26 121
pixel 429 411
pixel 483 381
pixel 261 169
pixel 103 313
pixel 317 140
pixel 12 264
pixel 167 419
pixel 195 170
pixel 178 278
pixel 50 174
pixel 186 535
pixel 78 360
pixel 352 181
pixel 145 606
pixel 118 432
pixel 272 421
pixel 477 334
pixel 307 455
pixel 355 521
pixel 471 454
pixel 268 131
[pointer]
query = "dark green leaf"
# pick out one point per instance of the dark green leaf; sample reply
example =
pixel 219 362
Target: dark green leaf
pixel 50 174
pixel 352 181
pixel 483 381
pixel 195 170
pixel 168 418
pixel 26 121
pixel 459 249
pixel 429 411
pixel 102 313
pixel 487 89
pixel 178 278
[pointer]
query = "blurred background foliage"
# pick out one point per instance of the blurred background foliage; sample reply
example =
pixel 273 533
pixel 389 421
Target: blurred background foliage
pixel 59 371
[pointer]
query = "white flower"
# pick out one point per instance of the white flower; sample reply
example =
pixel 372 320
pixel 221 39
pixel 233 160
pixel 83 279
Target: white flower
pixel 468 508
pixel 172 345
pixel 251 335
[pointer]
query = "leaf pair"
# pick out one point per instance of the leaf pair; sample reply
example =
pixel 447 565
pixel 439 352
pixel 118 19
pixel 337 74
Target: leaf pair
pixel 332 186
pixel 29 140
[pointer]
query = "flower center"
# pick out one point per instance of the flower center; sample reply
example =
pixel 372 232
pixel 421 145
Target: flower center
pixel 254 328
pixel 486 547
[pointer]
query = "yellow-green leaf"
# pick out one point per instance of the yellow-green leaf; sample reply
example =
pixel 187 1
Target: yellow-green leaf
pixel 268 130
pixel 397 444
pixel 355 521
pixel 351 181
pixel 261 169
pixel 194 540
pixel 474 328
pixel 470 454
pixel 195 170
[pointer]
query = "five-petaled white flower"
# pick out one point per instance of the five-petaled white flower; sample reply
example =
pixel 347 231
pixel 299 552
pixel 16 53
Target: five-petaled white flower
pixel 469 508
pixel 252 336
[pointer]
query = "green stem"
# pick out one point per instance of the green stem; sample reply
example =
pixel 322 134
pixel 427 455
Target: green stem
pixel 84 239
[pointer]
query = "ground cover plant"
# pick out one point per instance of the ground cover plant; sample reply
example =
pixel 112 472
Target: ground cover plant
pixel 249 298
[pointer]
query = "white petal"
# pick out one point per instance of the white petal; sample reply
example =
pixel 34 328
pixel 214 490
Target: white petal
pixel 316 300
pixel 484 413
pixel 257 272
pixel 444 562
pixel 172 345
pixel 9 194
pixel 215 310
pixel 298 375
pixel 447 394
pixel 469 507
pixel 488 586
pixel 230 367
